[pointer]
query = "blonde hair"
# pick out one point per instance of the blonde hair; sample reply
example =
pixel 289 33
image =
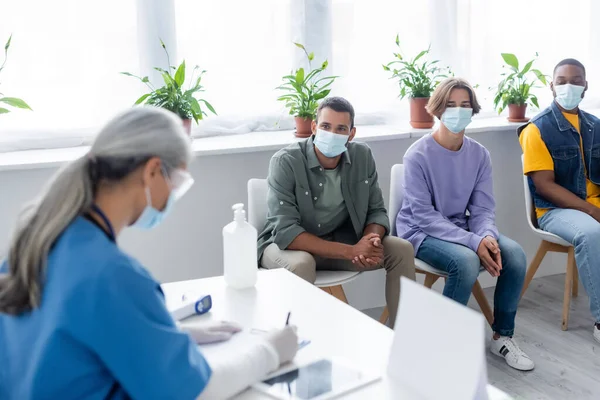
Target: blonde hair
pixel 125 143
pixel 437 103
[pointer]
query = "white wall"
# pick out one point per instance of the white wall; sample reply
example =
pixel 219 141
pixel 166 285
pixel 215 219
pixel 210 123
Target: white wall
pixel 188 244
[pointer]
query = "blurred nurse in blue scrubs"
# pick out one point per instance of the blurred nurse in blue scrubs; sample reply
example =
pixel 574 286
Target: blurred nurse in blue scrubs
pixel 79 318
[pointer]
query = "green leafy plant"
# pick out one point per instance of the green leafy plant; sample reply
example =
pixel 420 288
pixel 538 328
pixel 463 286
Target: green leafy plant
pixel 416 77
pixel 516 84
pixel 305 89
pixel 172 96
pixel 11 101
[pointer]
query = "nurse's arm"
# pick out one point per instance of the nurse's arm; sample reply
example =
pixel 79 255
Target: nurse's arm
pixel 235 372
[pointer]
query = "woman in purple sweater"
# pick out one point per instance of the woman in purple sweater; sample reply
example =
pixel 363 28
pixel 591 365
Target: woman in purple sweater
pixel 446 175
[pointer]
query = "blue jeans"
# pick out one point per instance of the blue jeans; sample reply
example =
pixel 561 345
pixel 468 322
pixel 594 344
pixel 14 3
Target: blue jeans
pixel 463 265
pixel 583 232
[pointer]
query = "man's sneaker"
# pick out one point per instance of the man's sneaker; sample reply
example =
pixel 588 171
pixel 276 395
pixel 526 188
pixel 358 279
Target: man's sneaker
pixel 596 333
pixel 515 357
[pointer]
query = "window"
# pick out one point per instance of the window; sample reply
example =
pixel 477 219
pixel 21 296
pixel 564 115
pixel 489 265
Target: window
pixel 245 46
pixel 467 35
pixel 364 33
pixel 66 56
pixel 65 60
pixel 553 28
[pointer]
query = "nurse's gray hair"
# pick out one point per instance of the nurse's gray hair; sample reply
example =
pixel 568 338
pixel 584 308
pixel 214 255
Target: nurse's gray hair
pixel 126 143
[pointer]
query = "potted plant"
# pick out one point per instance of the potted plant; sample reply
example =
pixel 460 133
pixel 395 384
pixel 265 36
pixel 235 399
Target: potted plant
pixel 514 90
pixel 417 79
pixel 172 96
pixel 11 101
pixel 304 90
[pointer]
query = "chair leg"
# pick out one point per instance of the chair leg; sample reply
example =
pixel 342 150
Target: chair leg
pixel 568 286
pixel 430 279
pixel 575 278
pixel 338 292
pixel 385 315
pixel 486 310
pixel 535 264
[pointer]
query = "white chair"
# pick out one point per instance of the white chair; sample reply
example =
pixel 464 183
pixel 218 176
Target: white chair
pixel 421 267
pixel 330 281
pixel 550 242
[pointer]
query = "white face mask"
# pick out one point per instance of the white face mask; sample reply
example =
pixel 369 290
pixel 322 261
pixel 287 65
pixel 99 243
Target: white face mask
pixel 329 143
pixel 456 119
pixel 568 96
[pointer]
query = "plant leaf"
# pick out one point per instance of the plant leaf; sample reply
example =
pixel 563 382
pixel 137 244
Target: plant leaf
pixel 527 67
pixel 180 74
pixel 7 45
pixel 300 46
pixel 322 94
pixel 141 99
pixel 300 76
pixel 195 105
pixel 4 110
pixel 540 76
pixel 311 56
pixel 209 106
pixel 421 54
pixel 169 81
pixel 13 101
pixel 511 60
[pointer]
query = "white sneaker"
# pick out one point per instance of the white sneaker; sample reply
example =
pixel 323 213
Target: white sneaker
pixel 596 333
pixel 515 357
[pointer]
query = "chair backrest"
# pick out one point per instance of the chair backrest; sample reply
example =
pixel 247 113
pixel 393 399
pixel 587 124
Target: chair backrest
pixel 396 195
pixel 257 203
pixel 529 209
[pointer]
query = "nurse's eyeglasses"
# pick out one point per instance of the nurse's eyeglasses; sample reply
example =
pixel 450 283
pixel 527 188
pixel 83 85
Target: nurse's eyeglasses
pixel 179 180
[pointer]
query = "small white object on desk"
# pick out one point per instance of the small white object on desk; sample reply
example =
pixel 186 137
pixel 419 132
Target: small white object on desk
pixel 188 306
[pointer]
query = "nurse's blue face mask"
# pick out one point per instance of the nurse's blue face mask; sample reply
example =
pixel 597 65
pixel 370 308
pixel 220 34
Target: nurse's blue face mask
pixel 179 182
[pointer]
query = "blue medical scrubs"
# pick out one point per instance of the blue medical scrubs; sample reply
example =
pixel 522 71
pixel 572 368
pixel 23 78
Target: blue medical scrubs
pixel 102 330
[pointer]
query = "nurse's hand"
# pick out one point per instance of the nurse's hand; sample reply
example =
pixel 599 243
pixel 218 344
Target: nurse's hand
pixel 211 332
pixel 285 343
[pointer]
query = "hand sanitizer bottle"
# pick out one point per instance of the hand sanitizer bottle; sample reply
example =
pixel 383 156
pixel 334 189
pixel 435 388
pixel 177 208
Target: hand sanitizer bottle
pixel 240 261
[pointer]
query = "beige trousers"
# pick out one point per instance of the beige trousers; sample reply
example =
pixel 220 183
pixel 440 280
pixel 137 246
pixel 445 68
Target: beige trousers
pixel 398 261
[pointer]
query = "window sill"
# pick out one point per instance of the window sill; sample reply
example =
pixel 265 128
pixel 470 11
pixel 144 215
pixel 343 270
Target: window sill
pixel 243 143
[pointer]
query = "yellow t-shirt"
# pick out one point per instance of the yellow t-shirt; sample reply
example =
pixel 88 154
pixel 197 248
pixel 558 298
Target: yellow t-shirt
pixel 536 157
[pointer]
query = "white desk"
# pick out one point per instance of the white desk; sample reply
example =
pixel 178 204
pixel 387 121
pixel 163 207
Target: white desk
pixel 335 329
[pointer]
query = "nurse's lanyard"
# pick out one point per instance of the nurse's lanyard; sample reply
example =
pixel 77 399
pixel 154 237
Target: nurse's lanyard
pixel 111 231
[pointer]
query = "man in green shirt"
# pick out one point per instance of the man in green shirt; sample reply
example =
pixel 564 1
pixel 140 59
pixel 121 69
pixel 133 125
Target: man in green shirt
pixel 326 210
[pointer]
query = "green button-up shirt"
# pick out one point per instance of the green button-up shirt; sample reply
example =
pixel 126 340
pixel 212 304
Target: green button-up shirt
pixel 295 183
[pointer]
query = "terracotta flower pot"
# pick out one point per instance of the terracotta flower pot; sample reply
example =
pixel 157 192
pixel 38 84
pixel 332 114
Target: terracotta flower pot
pixel 303 127
pixel 187 125
pixel 419 117
pixel 516 113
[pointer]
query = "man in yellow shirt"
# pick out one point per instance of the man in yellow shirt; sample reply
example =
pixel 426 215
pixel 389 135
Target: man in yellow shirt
pixel 561 157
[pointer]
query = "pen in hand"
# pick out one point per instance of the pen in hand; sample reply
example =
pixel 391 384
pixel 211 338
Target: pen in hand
pixel 287 320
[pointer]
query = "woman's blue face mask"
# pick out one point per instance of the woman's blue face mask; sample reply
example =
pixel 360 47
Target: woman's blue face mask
pixel 179 182
pixel 456 119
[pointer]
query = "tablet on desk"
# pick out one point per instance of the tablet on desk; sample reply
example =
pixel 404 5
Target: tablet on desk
pixel 320 380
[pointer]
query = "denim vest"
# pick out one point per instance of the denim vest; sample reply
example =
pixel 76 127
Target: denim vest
pixel 563 143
